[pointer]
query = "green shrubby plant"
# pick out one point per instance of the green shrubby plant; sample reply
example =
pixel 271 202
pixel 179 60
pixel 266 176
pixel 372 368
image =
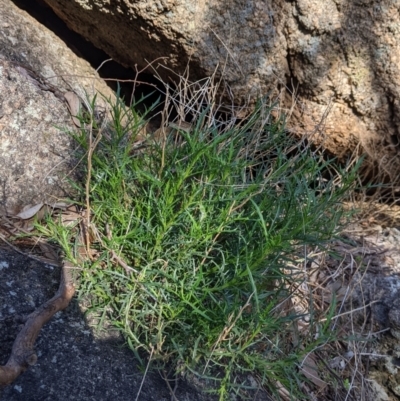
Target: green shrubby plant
pixel 207 226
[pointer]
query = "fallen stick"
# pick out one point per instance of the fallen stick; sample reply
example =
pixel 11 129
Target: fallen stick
pixel 23 354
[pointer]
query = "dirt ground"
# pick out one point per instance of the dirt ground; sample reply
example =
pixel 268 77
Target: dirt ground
pixel 78 362
pixel 74 362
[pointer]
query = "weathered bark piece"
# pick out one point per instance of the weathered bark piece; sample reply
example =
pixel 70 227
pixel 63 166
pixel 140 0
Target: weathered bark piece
pixel 23 354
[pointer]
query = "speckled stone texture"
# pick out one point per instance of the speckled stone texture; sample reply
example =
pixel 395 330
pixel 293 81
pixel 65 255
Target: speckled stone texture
pixel 336 55
pixel 36 154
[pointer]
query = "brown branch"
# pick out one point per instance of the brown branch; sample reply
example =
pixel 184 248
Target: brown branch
pixel 23 354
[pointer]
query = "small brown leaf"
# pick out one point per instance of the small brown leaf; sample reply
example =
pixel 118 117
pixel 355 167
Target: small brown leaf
pixel 310 370
pixel 49 253
pixel 28 213
pixel 74 106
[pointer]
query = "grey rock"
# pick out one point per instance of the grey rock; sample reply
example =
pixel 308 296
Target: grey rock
pixel 36 69
pixel 335 55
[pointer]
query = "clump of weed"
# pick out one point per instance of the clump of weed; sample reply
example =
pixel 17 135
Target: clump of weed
pixel 196 240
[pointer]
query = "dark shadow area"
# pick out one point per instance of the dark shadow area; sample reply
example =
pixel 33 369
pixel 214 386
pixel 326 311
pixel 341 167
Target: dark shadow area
pixel 73 363
pixel 112 72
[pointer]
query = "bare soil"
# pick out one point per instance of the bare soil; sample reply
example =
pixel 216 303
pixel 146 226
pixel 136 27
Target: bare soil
pixel 74 362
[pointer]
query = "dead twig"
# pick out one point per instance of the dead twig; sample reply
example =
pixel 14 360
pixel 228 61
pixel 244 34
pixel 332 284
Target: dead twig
pixel 23 354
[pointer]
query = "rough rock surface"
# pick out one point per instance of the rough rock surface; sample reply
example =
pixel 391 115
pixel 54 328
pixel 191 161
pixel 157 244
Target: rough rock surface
pixel 375 299
pixel 36 68
pixel 73 363
pixel 335 54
